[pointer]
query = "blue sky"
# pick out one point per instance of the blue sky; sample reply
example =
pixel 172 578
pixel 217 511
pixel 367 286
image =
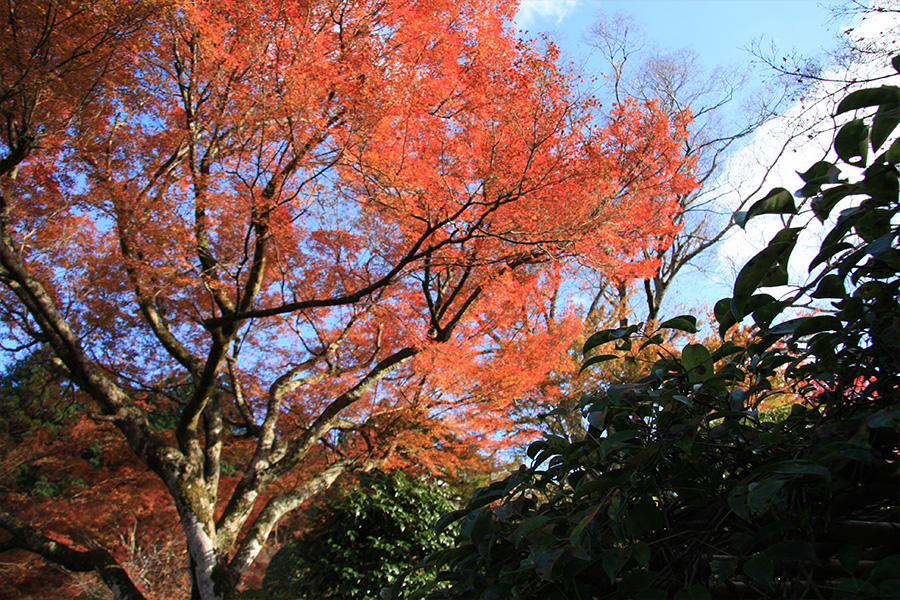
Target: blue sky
pixel 719 32
pixel 715 29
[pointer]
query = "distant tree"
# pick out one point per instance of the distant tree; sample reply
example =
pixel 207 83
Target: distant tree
pixel 866 43
pixel 723 116
pixel 680 488
pixel 816 83
pixel 720 115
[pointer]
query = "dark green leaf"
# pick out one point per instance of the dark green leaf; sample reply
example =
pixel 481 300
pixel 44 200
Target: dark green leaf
pixel 765 308
pixel 849 556
pixel 893 154
pixel 819 174
pixel 886 120
pixel 821 171
pixel 887 567
pixel 686 323
pixel 598 339
pixel 596 418
pixel 616 439
pixel 481 525
pixel 786 327
pixel 695 592
pixel 827 252
pixel 887 94
pixel 831 286
pixel 827 200
pixel 726 349
pixel 448 519
pixel 882 246
pixel 535 447
pixel 760 568
pixel 884 418
pixel 723 568
pixel 790 550
pixel 644 516
pixel 761 494
pixel 616 392
pixel 486 495
pixel 767 268
pixel 851 143
pixel 613 561
pixel 737 502
pixel 594 360
pixel 852 454
pixel 817 324
pixel 778 201
pixel 585 520
pixel 855 589
pixel 544 564
pixel 697 363
pixel 586 488
pixel 889 587
pixel 528 526
pixel 873 224
pixel 641 553
pixel 724 316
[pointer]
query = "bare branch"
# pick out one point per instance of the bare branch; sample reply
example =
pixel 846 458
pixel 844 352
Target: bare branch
pixel 79 561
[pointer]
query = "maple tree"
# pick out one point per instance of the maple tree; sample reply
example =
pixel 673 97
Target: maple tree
pixel 299 239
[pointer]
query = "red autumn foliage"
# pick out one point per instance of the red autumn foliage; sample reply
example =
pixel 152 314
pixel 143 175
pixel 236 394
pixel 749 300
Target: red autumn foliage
pixel 298 239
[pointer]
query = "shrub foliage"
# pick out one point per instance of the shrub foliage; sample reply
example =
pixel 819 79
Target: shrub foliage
pixel 682 488
pixel 361 540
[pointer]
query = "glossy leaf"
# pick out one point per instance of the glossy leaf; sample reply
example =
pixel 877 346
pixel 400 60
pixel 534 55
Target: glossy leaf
pixel 885 122
pixel 767 268
pixel 696 359
pixel 852 142
pixel 823 204
pixel 777 201
pixel 884 95
pixel 760 568
pixel 686 323
pixel 594 360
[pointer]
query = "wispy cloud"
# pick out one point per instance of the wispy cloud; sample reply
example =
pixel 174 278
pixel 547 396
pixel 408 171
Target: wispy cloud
pixel 536 11
pixel 797 139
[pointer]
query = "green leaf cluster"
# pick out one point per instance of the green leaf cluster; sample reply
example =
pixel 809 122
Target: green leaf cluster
pixel 32 398
pixel 362 542
pixel 681 488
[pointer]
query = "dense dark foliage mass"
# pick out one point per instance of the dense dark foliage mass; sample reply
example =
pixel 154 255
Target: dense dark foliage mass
pixel 683 487
pixel 361 540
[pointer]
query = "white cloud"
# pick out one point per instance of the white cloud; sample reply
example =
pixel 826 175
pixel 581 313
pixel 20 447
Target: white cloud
pixel 812 128
pixel 532 12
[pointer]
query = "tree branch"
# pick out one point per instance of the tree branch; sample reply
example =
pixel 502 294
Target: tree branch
pixel 97 560
pixel 275 510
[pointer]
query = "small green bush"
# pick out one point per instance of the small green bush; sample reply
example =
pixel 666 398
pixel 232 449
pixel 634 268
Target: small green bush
pixel 363 542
